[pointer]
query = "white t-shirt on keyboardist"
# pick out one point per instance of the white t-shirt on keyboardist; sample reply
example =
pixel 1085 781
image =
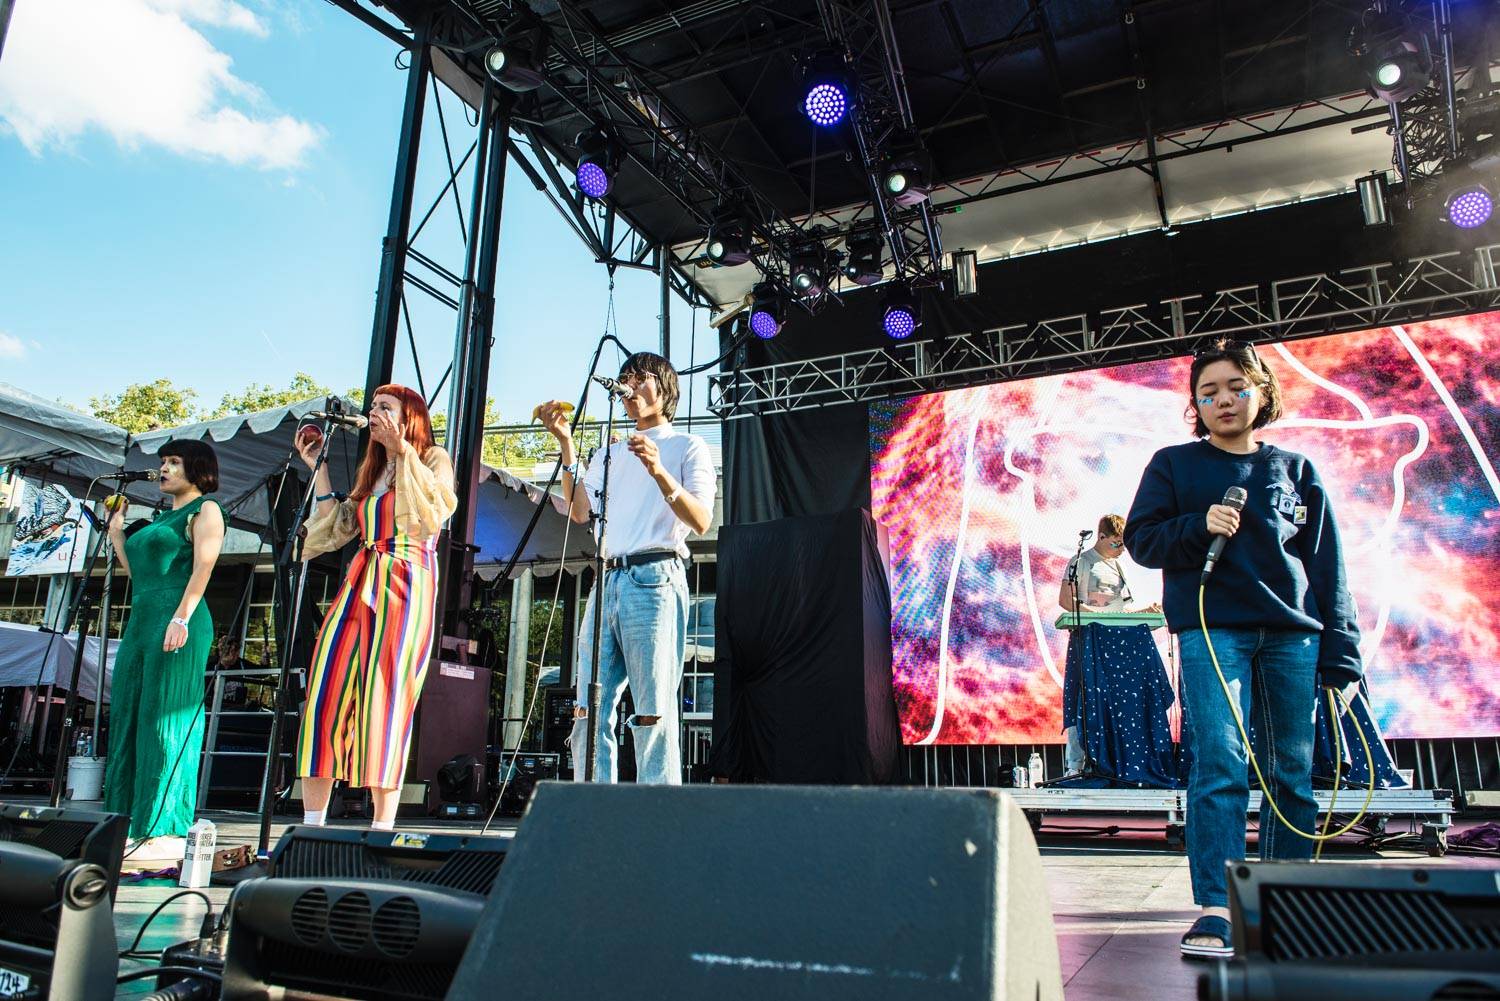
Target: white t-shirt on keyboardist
pixel 639 518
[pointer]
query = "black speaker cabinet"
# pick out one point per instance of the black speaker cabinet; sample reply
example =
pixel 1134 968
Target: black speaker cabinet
pixel 806 893
pixel 58 872
pixel 452 721
pixel 1334 932
pixel 345 913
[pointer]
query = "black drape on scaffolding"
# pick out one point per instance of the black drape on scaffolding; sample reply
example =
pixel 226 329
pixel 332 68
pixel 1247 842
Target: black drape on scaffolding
pixel 802 669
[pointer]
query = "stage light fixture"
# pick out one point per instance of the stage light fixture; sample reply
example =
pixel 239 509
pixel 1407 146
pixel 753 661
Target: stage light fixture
pixel 810 271
pixel 1372 192
pixel 514 66
pixel 728 244
pixel 1394 54
pixel 907 178
pixel 865 265
pixel 901 312
pixel 965 273
pixel 598 162
pixel 766 311
pixel 827 95
pixel 1469 206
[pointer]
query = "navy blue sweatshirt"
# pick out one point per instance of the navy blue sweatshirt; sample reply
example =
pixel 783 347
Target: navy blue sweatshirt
pixel 1284 568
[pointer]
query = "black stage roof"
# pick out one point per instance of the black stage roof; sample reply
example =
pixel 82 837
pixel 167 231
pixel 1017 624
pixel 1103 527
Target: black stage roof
pixel 1009 96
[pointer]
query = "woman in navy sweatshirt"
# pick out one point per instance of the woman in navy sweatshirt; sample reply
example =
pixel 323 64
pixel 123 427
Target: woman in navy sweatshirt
pixel 1277 608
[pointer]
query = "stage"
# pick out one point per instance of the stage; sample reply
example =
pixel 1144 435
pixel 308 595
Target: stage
pixel 1119 902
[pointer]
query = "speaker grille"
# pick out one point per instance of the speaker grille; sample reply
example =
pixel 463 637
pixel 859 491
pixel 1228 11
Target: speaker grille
pixel 329 973
pixel 310 917
pixel 1328 923
pixel 307 857
pixel 349 921
pixel 397 924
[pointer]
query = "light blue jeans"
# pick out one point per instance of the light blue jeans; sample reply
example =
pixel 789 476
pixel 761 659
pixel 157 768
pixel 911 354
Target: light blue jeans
pixel 642 645
pixel 1273 674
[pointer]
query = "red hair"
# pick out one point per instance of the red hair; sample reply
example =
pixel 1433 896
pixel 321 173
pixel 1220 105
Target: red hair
pixel 418 433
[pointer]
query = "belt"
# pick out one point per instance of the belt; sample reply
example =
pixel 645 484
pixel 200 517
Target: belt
pixel 640 559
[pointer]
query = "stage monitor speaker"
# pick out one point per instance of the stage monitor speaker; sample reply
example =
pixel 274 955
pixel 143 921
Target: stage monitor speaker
pixel 1334 932
pixel 58 873
pixel 346 913
pixel 767 892
pixel 452 721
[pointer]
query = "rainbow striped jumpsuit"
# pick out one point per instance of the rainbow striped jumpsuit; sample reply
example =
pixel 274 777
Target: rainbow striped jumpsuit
pixel 371 656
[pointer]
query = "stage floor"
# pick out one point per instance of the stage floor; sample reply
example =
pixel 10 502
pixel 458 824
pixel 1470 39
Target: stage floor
pixel 1120 904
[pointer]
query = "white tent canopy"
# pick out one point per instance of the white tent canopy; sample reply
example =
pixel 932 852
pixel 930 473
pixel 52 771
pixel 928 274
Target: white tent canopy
pixel 29 656
pixel 33 429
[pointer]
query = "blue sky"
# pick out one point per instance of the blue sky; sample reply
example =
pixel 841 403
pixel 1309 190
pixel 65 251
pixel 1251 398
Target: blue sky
pixel 199 191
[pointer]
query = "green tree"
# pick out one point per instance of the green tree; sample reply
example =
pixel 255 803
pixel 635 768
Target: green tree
pixel 258 396
pixel 146 406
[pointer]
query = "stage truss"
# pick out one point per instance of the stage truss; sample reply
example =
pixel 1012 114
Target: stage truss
pixel 1373 296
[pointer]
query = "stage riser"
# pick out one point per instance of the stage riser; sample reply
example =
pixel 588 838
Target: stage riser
pixel 1461 765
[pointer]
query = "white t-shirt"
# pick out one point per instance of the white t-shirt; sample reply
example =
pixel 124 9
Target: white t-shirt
pixel 639 518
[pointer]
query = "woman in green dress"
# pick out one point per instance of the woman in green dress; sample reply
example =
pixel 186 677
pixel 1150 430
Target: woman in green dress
pixel 156 718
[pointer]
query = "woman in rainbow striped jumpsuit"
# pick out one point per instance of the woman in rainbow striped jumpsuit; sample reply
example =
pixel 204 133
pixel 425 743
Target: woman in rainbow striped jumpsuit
pixel 371 656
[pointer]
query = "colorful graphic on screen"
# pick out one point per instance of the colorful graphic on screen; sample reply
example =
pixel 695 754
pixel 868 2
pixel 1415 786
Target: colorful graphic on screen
pixel 985 490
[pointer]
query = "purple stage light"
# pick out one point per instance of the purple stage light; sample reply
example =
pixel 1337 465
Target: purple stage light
pixel 763 324
pixel 1471 208
pixel 593 181
pixel 899 322
pixel 826 104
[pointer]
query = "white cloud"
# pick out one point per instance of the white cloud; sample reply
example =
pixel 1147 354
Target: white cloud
pixel 11 348
pixel 141 71
pixel 215 14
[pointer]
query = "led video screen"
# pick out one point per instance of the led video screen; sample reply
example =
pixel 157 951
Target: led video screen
pixel 985 490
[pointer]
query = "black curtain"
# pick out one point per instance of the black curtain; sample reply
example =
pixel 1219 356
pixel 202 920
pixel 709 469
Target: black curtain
pixel 801 463
pixel 802 671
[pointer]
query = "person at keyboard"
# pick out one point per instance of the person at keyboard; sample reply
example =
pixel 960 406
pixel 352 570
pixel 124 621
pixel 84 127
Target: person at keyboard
pixel 661 487
pixel 1102 587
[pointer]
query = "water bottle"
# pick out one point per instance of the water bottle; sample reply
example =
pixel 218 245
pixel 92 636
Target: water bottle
pixel 83 747
pixel 198 854
pixel 1034 769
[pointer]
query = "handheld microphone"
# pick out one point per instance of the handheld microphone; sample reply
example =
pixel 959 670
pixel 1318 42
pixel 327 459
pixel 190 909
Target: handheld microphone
pixel 150 475
pixel 344 420
pixel 616 388
pixel 1234 497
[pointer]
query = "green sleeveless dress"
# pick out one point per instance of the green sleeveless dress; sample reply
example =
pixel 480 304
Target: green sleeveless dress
pixel 156 702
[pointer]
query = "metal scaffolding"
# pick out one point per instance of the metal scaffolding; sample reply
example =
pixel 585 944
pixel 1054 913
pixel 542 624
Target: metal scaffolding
pixel 1377 295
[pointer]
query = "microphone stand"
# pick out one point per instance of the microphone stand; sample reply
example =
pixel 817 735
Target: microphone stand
pixel 291 549
pixel 595 690
pixel 1087 770
pixel 78 614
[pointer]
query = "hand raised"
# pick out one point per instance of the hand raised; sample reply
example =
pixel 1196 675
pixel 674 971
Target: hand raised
pixel 309 444
pixel 645 449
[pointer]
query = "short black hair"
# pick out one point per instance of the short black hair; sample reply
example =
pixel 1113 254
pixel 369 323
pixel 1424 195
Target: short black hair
pixel 1243 357
pixel 199 462
pixel 645 363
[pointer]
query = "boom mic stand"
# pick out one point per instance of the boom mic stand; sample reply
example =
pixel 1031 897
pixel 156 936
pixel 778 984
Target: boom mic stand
pixel 78 614
pixel 1088 769
pixel 596 690
pixel 291 549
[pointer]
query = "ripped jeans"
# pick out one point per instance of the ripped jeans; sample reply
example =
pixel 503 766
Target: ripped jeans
pixel 643 642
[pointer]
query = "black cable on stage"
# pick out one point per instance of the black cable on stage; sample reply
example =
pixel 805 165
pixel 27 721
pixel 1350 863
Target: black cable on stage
pixel 734 345
pixel 181 971
pixel 131 952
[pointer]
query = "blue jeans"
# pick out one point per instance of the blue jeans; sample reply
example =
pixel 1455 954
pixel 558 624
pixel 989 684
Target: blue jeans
pixel 1273 674
pixel 643 642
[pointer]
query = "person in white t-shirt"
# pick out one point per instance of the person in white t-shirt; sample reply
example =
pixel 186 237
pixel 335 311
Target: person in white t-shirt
pixel 661 487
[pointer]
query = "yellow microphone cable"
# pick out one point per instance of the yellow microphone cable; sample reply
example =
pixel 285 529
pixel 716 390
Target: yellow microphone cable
pixel 1335 722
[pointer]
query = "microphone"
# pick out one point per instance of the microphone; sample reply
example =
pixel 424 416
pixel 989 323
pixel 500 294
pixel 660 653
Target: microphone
pixel 1234 497
pixel 344 420
pixel 1087 533
pixel 150 475
pixel 616 388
